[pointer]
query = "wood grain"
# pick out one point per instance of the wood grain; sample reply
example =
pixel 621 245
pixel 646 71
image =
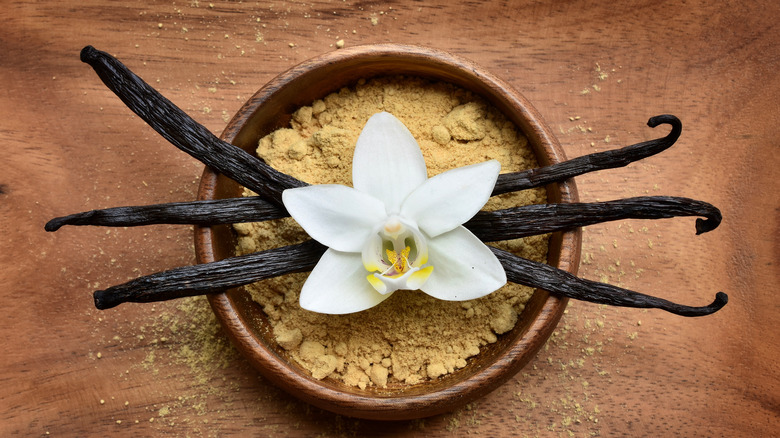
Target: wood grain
pixel 595 71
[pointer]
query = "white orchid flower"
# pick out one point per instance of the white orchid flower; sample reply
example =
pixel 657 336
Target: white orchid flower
pixel 396 229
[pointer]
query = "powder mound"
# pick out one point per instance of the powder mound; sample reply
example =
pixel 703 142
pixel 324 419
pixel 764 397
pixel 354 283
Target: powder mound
pixel 378 375
pixel 297 150
pixel 466 122
pixel 329 138
pixel 303 116
pixel 440 134
pixel 411 337
pixel 504 319
pixel 321 364
pixel 288 338
pixel 436 370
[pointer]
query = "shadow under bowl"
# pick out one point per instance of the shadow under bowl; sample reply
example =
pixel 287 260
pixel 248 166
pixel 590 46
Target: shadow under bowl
pixel 244 321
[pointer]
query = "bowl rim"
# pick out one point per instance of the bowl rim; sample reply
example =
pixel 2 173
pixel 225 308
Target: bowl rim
pixel 444 398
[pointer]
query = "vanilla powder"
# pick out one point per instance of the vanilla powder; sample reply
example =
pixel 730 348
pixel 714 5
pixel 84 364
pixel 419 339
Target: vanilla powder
pixel 410 337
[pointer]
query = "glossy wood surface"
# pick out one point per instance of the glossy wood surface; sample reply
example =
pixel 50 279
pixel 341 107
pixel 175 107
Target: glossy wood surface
pixel 595 71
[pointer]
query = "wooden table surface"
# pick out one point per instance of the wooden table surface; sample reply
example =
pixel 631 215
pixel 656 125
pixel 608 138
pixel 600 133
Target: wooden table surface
pixel 595 70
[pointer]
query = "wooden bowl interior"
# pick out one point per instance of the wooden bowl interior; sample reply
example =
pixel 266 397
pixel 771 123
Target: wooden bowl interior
pixel 271 108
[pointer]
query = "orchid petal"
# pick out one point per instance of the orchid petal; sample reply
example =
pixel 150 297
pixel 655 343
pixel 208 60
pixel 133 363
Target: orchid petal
pixel 451 198
pixel 338 285
pixel 387 163
pixel 464 267
pixel 337 216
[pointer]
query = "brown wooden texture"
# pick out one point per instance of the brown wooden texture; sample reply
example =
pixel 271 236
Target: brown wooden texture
pixel 596 72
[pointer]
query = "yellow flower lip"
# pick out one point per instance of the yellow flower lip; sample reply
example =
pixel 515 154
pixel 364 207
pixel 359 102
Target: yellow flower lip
pixel 396 250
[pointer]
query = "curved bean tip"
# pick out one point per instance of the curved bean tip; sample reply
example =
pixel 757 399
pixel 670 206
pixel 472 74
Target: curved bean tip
pixel 706 225
pixel 664 118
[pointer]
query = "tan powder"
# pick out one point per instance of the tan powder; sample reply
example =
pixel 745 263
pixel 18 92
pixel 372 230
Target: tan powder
pixel 410 337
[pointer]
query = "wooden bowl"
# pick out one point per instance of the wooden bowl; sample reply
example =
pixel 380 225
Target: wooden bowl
pixel 243 320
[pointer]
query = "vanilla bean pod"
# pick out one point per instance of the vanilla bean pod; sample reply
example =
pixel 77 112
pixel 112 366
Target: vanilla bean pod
pixel 188 135
pixel 184 132
pixel 238 271
pixel 207 212
pixel 510 182
pixel 559 282
pixel 212 277
pixel 530 220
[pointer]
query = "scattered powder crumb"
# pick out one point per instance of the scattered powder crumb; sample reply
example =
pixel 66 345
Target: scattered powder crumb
pixel 410 337
pixel 187 334
pixel 601 74
pixel 340 44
